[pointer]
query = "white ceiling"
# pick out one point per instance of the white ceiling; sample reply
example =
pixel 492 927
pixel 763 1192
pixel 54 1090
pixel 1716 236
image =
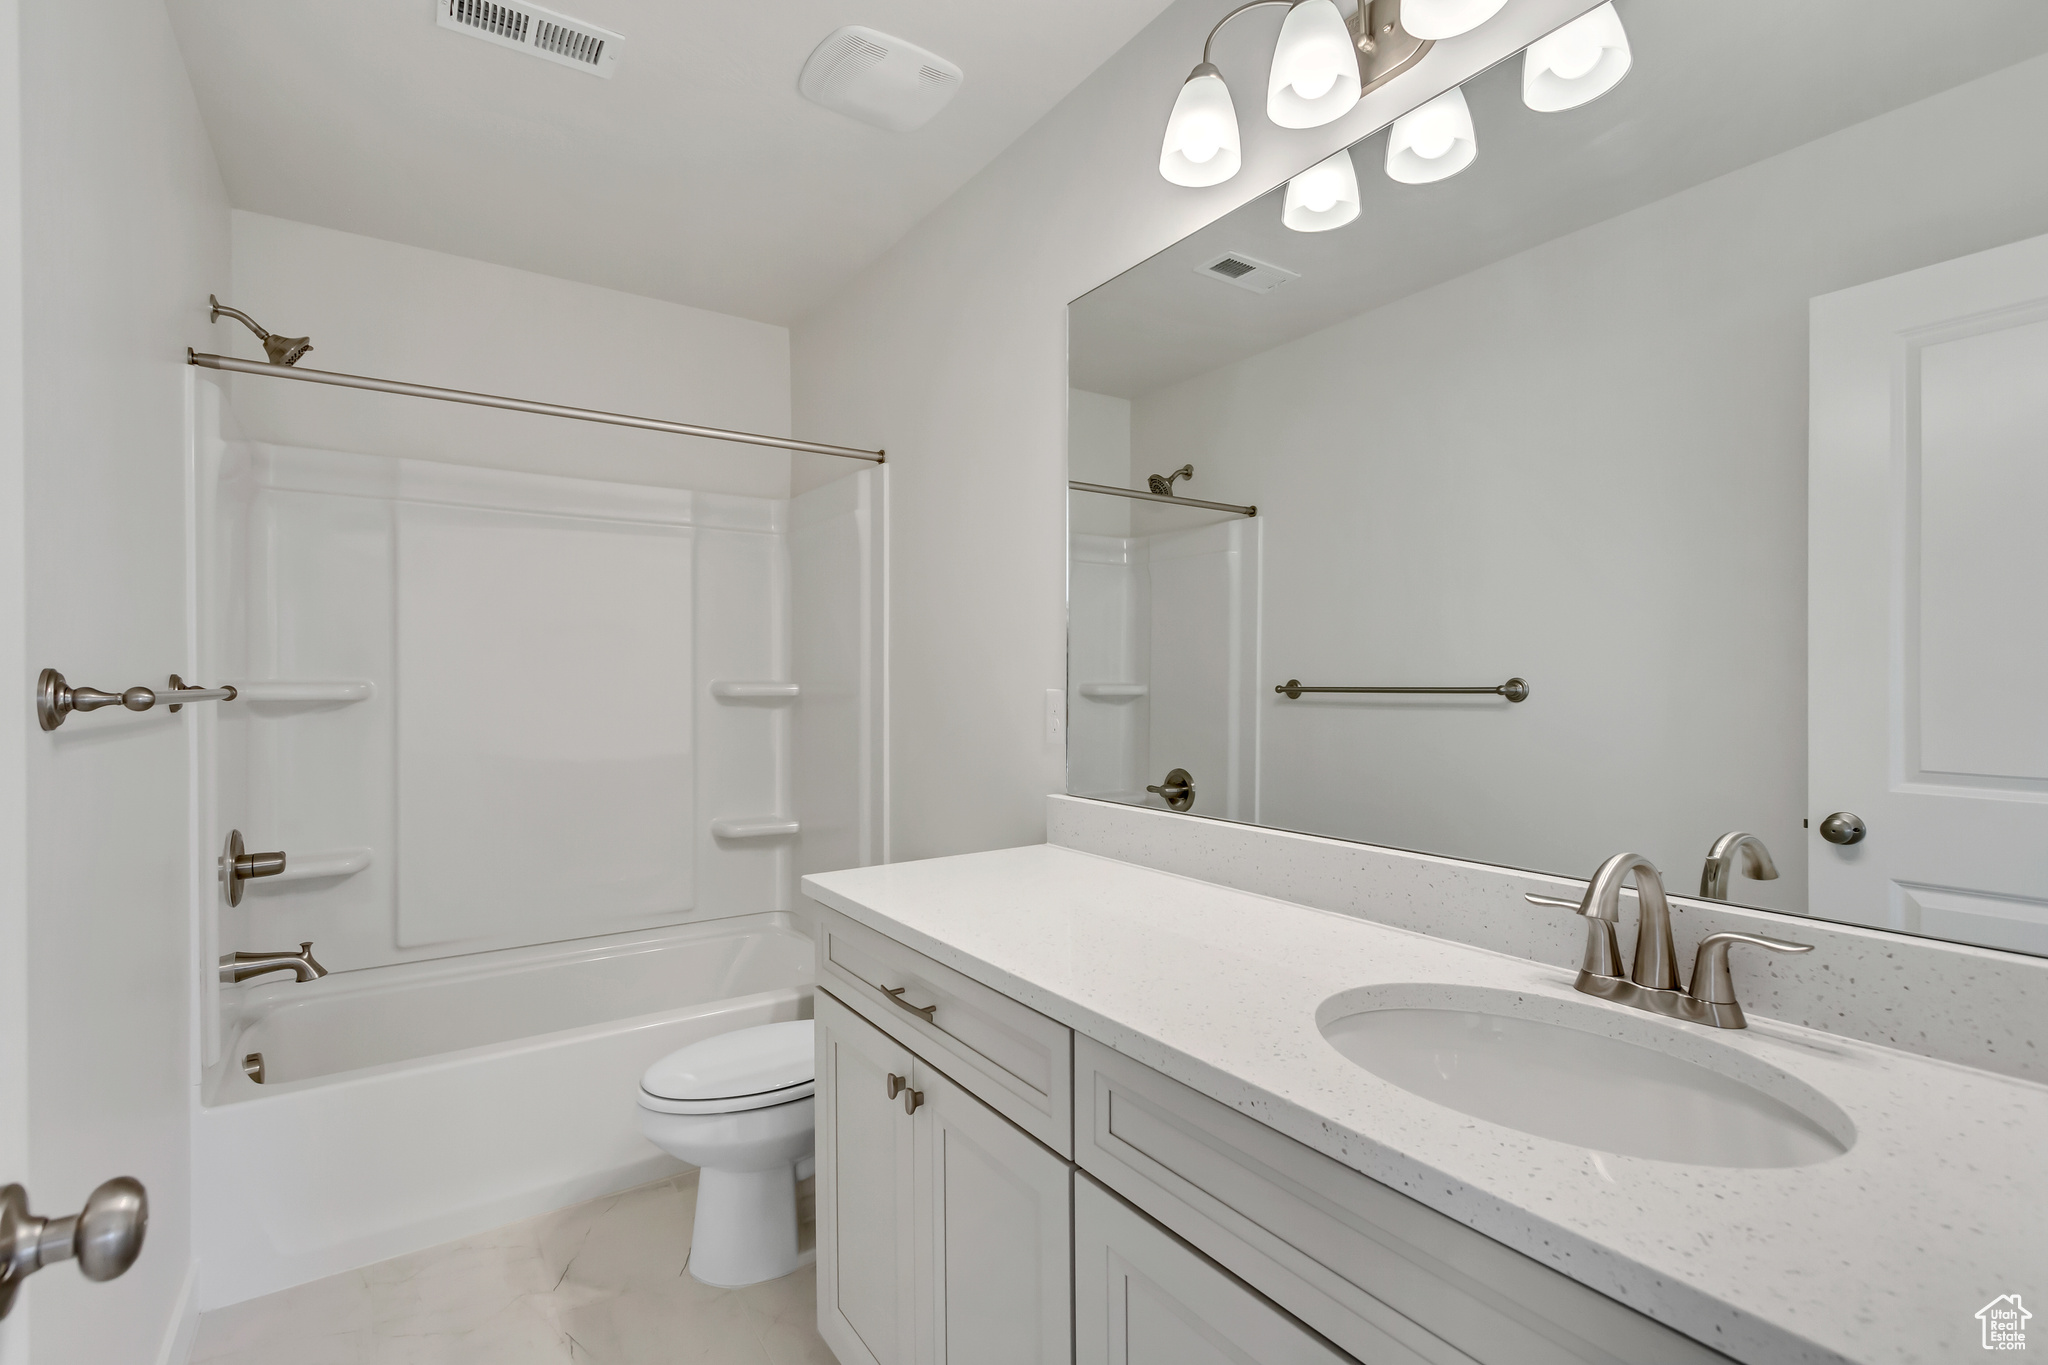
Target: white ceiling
pixel 696 174
pixel 1714 87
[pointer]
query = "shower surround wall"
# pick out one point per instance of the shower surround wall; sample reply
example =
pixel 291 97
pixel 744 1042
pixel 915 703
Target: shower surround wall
pixel 484 715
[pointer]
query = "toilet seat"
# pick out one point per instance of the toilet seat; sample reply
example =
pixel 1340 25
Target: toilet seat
pixel 750 1068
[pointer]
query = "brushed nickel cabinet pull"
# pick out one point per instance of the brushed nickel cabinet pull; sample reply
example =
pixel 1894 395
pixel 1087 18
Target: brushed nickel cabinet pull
pixel 911 1100
pixel 924 1012
pixel 896 1084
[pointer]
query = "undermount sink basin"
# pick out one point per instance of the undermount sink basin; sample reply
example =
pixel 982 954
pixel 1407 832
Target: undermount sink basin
pixel 1486 1054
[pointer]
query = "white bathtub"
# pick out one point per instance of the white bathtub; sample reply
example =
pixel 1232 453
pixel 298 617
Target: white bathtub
pixel 410 1105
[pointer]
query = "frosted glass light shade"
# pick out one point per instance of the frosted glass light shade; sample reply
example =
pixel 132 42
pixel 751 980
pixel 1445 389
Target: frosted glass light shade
pixel 1322 197
pixel 1580 62
pixel 1315 68
pixel 1432 142
pixel 1446 18
pixel 1201 146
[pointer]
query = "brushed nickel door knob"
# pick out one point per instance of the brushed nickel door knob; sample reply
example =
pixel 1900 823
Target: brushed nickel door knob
pixel 1843 827
pixel 104 1238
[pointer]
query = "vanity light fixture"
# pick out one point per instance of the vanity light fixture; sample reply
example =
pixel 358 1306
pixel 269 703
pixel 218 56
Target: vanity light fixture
pixel 1446 18
pixel 1322 65
pixel 1315 76
pixel 1432 142
pixel 1322 197
pixel 1201 145
pixel 1577 64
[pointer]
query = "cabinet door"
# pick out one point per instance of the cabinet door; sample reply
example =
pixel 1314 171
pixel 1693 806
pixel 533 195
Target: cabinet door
pixel 1143 1298
pixel 866 1252
pixel 993 1224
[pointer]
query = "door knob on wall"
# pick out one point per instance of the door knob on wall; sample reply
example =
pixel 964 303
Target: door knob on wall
pixel 104 1238
pixel 1843 828
pixel 237 865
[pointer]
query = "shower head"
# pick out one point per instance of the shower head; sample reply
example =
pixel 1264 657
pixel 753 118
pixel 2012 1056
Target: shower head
pixel 280 350
pixel 1161 483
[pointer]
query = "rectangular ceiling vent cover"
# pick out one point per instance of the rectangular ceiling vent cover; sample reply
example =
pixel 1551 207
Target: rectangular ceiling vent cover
pixel 531 29
pixel 1234 267
pixel 878 79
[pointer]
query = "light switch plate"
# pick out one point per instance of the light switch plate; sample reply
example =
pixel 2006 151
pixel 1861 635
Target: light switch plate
pixel 1055 716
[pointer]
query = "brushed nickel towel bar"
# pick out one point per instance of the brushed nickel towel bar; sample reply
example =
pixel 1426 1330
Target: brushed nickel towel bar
pixel 1514 689
pixel 490 400
pixel 1115 492
pixel 56 698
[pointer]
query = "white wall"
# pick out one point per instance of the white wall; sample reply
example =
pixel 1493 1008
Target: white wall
pixel 951 352
pixel 1584 465
pixel 14 931
pixel 125 231
pixel 399 312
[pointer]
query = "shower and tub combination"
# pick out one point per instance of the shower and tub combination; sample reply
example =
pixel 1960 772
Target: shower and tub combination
pixel 526 766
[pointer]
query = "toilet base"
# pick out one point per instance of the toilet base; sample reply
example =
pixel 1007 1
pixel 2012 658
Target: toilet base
pixel 746 1227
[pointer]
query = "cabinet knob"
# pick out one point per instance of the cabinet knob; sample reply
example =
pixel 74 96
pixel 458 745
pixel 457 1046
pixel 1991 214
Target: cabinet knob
pixel 911 1100
pixel 896 1084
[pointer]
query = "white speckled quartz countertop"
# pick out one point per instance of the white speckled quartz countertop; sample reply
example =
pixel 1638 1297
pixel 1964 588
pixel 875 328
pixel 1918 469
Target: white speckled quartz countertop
pixel 1882 1254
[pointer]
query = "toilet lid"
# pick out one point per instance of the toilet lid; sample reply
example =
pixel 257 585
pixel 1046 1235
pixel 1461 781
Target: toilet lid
pixel 746 1069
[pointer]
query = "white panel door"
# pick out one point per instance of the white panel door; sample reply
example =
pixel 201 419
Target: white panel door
pixel 1928 599
pixel 865 1156
pixel 992 1235
pixel 1142 1298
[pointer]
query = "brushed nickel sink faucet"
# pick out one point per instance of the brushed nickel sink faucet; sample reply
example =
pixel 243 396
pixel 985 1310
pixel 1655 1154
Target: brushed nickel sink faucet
pixel 1652 985
pixel 236 967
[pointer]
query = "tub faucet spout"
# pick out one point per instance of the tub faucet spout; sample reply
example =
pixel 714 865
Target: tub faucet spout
pixel 237 967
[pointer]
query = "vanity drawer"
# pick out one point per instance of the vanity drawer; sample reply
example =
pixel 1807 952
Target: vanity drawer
pixel 1014 1059
pixel 1374 1271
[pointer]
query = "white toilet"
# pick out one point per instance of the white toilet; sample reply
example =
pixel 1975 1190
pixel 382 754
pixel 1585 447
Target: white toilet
pixel 738 1106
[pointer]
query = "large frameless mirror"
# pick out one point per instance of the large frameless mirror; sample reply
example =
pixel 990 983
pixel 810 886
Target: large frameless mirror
pixel 1674 468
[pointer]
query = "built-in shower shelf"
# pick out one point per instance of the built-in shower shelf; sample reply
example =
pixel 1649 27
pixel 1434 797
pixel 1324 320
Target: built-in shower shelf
pixel 1113 691
pixel 329 862
pixel 731 690
pixel 755 827
pixel 306 690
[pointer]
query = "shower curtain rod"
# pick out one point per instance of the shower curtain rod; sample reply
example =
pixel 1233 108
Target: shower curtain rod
pixel 1172 499
pixel 489 400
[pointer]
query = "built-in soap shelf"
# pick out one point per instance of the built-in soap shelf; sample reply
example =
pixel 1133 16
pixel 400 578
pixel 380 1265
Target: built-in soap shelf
pixel 755 827
pixel 329 862
pixel 1112 691
pixel 736 690
pixel 306 690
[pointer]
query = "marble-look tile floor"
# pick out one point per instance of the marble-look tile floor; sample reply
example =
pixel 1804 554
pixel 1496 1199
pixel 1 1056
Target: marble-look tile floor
pixel 602 1283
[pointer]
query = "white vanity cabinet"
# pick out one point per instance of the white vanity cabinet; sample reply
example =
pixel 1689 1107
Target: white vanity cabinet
pixel 1020 1194
pixel 1142 1298
pixel 944 1230
pixel 866 1157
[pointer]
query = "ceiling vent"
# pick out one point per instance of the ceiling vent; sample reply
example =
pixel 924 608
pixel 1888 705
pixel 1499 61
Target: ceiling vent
pixel 878 79
pixel 531 29
pixel 1234 267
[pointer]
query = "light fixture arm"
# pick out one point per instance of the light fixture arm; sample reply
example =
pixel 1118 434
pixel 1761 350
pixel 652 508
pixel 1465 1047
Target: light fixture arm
pixel 1372 18
pixel 1241 9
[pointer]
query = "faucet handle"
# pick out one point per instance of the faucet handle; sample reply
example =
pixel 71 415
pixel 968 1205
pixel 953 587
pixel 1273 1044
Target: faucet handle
pixel 1711 982
pixel 1603 950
